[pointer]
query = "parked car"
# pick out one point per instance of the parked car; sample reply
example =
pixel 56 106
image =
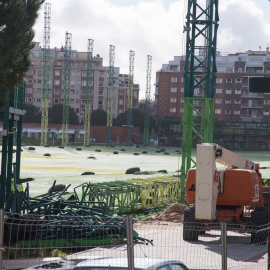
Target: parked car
pixel 122 264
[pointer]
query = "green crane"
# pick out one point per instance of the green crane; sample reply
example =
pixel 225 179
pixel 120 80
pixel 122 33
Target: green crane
pixel 147 101
pixel 45 74
pixel 199 72
pixel 130 96
pixel 65 120
pixel 110 96
pixel 88 92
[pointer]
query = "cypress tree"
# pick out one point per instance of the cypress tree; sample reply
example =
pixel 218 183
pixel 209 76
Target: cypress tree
pixel 17 18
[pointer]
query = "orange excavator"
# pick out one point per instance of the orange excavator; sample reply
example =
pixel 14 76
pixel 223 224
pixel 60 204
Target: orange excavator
pixel 234 195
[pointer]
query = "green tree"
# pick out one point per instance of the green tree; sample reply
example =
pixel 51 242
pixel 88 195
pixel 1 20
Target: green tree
pixel 55 115
pixel 137 119
pixel 98 118
pixel 17 18
pixel 32 114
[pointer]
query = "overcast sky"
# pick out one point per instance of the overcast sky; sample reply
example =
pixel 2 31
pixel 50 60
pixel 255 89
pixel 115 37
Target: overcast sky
pixel 150 27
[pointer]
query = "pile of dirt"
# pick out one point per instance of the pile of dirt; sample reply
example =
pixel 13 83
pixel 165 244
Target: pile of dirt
pixel 173 213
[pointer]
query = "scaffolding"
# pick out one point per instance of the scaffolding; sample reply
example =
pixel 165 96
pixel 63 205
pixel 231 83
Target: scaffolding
pixel 110 96
pixel 45 74
pixel 130 96
pixel 200 68
pixel 147 101
pixel 88 92
pixel 65 120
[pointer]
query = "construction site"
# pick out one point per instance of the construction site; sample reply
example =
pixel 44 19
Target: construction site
pixel 199 203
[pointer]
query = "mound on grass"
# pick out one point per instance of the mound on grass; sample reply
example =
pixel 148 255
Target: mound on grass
pixel 173 213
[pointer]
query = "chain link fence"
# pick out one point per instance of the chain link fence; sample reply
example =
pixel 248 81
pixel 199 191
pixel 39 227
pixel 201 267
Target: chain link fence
pixel 61 242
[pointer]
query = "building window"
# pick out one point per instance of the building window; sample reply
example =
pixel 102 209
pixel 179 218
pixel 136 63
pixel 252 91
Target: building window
pixel 83 101
pixel 73 73
pixel 100 102
pixel 72 91
pixel 78 92
pixel 218 80
pixel 30 72
pixel 218 101
pixel 100 93
pixel 29 90
pixel 78 73
pixel 237 91
pixel 29 100
pixel 237 101
pixel 121 92
pixel 173 89
pixel 173 110
pixel 56 91
pixel 135 94
pixel 228 101
pixel 83 111
pixel 39 72
pixel 182 79
pixel 182 90
pixel 83 92
pixel 173 99
pixel 182 100
pixel 266 102
pixel 236 112
pixel 38 100
pixel 84 73
pixel 228 91
pixel 240 70
pixel 120 110
pixel 77 101
pixel 77 110
pixel 174 79
pixel 57 72
pixel 227 111
pixel 217 111
pixel 78 82
pixel 56 100
pixel 56 82
pixel 218 91
pixel 266 113
pixel 30 81
pixel 71 101
pixel 181 110
pixel 238 80
pixel 120 101
pixel 72 83
pixel 228 80
pixel 196 92
pixel 38 90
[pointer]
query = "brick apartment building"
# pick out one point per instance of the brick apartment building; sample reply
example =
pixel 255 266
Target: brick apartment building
pixel 77 82
pixel 232 100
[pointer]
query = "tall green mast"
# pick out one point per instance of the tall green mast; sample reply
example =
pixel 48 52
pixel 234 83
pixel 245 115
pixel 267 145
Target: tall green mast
pixel 200 67
pixel 45 74
pixel 110 96
pixel 130 96
pixel 65 120
pixel 147 101
pixel 88 94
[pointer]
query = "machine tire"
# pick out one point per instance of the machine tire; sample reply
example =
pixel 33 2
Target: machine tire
pixel 190 232
pixel 259 219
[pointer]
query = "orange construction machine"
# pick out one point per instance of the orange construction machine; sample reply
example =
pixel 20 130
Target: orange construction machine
pixel 234 194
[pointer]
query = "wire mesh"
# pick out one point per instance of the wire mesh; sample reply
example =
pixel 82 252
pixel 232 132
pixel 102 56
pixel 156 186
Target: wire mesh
pixel 61 242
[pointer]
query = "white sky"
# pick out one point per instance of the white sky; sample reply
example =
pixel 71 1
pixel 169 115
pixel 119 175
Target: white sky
pixel 150 27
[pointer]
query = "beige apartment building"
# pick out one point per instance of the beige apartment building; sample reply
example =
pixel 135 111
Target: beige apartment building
pixel 232 100
pixel 78 75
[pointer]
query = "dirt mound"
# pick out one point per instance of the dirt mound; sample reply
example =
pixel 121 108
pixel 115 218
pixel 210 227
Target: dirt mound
pixel 173 213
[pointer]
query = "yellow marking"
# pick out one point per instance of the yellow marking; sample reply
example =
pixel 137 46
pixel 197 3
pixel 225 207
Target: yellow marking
pixel 70 169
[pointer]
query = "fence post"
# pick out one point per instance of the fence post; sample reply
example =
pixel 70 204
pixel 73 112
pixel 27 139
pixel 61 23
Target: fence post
pixel 1 237
pixel 224 244
pixel 130 246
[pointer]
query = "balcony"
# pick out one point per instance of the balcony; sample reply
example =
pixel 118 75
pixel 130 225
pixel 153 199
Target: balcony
pixel 252 106
pixel 252 95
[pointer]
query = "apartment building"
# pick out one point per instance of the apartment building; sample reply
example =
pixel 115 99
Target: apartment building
pixel 78 75
pixel 232 99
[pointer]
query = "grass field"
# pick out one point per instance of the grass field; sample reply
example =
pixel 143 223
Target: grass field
pixel 66 165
